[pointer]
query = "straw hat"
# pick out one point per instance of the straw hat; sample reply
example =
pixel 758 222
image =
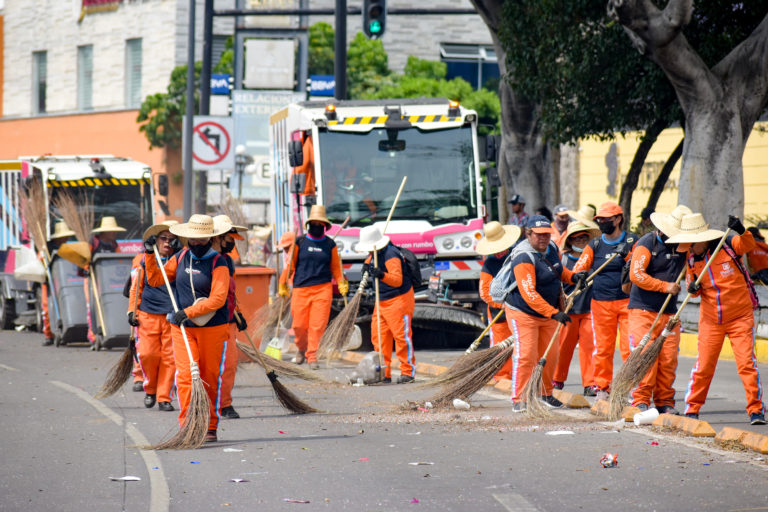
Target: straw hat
pixel 584 214
pixel 156 229
pixel 198 226
pixel 497 238
pixel 108 225
pixel 578 227
pixel 669 223
pixel 61 230
pixel 222 221
pixel 693 228
pixel 371 239
pixel 318 213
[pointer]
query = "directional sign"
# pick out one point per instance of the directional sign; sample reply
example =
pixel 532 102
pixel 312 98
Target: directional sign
pixel 212 143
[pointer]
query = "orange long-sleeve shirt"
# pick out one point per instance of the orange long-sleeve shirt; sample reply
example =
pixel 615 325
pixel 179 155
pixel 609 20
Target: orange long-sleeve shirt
pixel 485 290
pixel 758 257
pixel 394 275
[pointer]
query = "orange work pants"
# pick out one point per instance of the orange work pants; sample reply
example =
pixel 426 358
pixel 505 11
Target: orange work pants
pixel 138 375
pixel 154 348
pixel 87 290
pixel 532 335
pixel 208 347
pixel 310 308
pixel 607 315
pixel 499 332
pixel 657 383
pixel 230 367
pixel 579 331
pixel 396 316
pixel 46 318
pixel 711 337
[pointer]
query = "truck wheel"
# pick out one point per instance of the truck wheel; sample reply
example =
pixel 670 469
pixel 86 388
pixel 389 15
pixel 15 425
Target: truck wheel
pixel 6 313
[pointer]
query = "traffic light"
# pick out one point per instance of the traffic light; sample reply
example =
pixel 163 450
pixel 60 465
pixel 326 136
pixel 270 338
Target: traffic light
pixel 374 18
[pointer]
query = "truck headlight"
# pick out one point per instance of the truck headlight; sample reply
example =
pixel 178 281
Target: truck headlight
pixel 466 242
pixel 340 246
pixel 448 244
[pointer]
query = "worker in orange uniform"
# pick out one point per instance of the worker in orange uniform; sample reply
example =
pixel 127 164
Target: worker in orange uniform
pixel 495 247
pixel 313 263
pixel 579 331
pixel 61 233
pixel 609 302
pixel 149 307
pixel 560 223
pixel 654 269
pixel 532 309
pixel 136 373
pixel 391 321
pixel 104 240
pixel 728 300
pixel 757 258
pixel 225 244
pixel 201 277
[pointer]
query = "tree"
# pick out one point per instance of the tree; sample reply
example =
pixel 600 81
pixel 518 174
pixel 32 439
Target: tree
pixel 321 49
pixel 722 91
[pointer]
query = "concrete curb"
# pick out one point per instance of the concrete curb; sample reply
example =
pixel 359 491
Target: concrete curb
pixel 571 400
pixel 690 426
pixel 603 409
pixel 743 438
pixel 689 348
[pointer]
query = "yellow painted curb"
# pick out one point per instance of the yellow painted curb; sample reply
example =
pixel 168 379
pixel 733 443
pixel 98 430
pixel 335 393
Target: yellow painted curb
pixel 571 400
pixel 432 370
pixel 503 385
pixel 745 438
pixel 692 427
pixel 603 409
pixel 352 357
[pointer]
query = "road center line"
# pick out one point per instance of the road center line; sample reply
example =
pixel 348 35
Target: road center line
pixel 159 493
pixel 515 503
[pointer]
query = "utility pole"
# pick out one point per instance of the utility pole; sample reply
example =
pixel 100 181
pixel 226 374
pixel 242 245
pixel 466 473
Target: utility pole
pixel 189 174
pixel 340 50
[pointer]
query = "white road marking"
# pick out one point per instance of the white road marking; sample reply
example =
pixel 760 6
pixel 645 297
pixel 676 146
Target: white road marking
pixel 159 493
pixel 9 368
pixel 515 503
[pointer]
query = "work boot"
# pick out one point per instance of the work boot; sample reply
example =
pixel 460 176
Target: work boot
pixel 642 407
pixel 590 391
pixel 314 365
pixel 299 358
pixel 210 436
pixel 149 401
pixel 756 418
pixel 557 384
pixel 405 379
pixel 667 409
pixel 387 380
pixel 519 407
pixel 601 395
pixel 138 386
pixel 552 402
pixel 165 406
pixel 47 342
pixel 692 415
pixel 229 412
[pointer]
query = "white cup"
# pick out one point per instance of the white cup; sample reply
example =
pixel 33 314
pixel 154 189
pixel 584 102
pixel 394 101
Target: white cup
pixel 646 417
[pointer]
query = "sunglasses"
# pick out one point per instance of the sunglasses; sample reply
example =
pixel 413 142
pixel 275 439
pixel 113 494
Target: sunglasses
pixel 166 239
pixel 579 237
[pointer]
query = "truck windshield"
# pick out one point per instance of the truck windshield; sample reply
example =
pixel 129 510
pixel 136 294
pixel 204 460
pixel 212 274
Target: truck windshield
pixel 129 204
pixel 360 176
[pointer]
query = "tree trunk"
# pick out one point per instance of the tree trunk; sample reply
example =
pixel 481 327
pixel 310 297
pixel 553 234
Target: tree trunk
pixel 633 176
pixel 663 177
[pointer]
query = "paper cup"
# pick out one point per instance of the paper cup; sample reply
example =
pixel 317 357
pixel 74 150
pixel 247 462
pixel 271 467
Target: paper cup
pixel 646 417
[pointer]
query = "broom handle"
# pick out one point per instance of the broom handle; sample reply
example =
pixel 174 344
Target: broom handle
pixel 378 309
pixel 647 337
pixel 135 303
pixel 476 343
pixel 568 306
pixel 392 210
pixel 250 340
pixel 343 225
pixel 193 368
pixel 600 268
pixel 96 297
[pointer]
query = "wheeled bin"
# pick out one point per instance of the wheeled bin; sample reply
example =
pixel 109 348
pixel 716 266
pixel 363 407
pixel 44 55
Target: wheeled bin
pixel 71 322
pixel 111 271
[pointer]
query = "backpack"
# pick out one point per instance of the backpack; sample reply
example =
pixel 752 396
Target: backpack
pixel 504 282
pixel 411 266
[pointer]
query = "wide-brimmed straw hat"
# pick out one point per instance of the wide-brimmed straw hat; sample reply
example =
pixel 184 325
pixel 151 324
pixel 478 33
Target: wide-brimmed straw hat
pixel 318 213
pixel 693 229
pixel 371 239
pixel 156 229
pixel 669 223
pixel 584 214
pixel 198 226
pixel 235 231
pixel 61 230
pixel 497 238
pixel 578 227
pixel 108 225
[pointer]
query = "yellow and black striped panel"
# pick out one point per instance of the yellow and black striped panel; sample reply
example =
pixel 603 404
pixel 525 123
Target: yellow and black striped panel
pixel 435 118
pixel 97 182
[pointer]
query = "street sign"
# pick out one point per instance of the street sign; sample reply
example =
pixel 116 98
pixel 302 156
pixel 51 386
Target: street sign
pixel 212 143
pixel 322 85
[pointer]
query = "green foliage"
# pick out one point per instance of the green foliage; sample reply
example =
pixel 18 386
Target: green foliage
pixel 226 63
pixel 417 67
pixel 321 49
pixel 367 66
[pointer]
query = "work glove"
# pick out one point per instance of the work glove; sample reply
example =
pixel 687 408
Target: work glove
pixel 344 287
pixel 623 250
pixel 149 244
pixel 240 322
pixel 282 290
pixel 175 245
pixel 694 288
pixel 580 278
pixel 132 319
pixel 377 273
pixel 561 317
pixel 180 316
pixel 673 288
pixel 735 224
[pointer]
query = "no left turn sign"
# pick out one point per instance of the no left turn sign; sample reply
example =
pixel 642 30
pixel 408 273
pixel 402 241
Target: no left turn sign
pixel 212 143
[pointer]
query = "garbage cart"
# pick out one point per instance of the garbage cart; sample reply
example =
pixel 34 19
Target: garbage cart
pixel 110 271
pixel 70 323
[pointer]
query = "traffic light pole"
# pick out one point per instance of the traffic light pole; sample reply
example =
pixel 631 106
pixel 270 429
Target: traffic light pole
pixel 340 51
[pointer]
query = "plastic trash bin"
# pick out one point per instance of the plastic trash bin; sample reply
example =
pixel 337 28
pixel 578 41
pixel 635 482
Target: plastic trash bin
pixel 252 291
pixel 72 326
pixel 111 271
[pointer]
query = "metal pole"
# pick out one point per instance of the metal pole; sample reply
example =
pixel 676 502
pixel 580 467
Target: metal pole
pixel 205 73
pixel 340 50
pixel 189 176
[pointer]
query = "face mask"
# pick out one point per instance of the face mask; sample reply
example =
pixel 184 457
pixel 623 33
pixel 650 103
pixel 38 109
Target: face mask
pixel 577 249
pixel 606 227
pixel 226 247
pixel 316 230
pixel 199 250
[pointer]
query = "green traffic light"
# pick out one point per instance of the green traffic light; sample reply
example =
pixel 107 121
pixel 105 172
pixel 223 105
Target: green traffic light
pixel 374 27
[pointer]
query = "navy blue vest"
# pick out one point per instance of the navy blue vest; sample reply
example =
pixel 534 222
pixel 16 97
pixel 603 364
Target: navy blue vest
pixel 202 271
pixel 583 302
pixel 154 299
pixel 386 291
pixel 666 264
pixel 607 285
pixel 548 270
pixel 313 265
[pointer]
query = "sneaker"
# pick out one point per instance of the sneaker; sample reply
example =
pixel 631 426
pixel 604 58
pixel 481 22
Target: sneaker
pixel 692 415
pixel 229 412
pixel 642 407
pixel 210 436
pixel 519 407
pixel 165 406
pixel 138 386
pixel 667 409
pixel 601 394
pixel 299 358
pixel 387 380
pixel 405 379
pixel 47 342
pixel 149 401
pixel 557 384
pixel 314 365
pixel 756 418
pixel 590 391
pixel 552 402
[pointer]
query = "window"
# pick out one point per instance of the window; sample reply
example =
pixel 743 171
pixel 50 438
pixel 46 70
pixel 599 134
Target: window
pixel 477 64
pixel 85 77
pixel 133 73
pixel 39 81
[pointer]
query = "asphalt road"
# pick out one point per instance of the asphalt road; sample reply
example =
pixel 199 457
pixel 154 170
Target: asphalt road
pixel 368 453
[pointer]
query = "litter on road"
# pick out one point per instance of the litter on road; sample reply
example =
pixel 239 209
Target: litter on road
pixel 127 478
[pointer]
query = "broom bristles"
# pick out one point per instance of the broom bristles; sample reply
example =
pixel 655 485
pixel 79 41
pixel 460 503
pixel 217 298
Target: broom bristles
pixel 285 368
pixel 463 366
pixel 76 212
pixel 118 375
pixel 288 399
pixel 632 372
pixel 265 318
pixel 534 406
pixel 191 435
pixel 338 333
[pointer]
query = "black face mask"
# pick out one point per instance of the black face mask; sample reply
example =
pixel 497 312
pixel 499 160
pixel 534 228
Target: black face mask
pixel 199 250
pixel 226 247
pixel 606 227
pixel 316 230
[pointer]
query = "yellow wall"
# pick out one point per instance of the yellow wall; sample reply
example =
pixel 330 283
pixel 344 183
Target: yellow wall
pixel 594 176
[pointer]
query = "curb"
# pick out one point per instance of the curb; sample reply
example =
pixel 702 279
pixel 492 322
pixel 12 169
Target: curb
pixel 571 400
pixel 744 438
pixel 689 348
pixel 603 409
pixel 690 426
